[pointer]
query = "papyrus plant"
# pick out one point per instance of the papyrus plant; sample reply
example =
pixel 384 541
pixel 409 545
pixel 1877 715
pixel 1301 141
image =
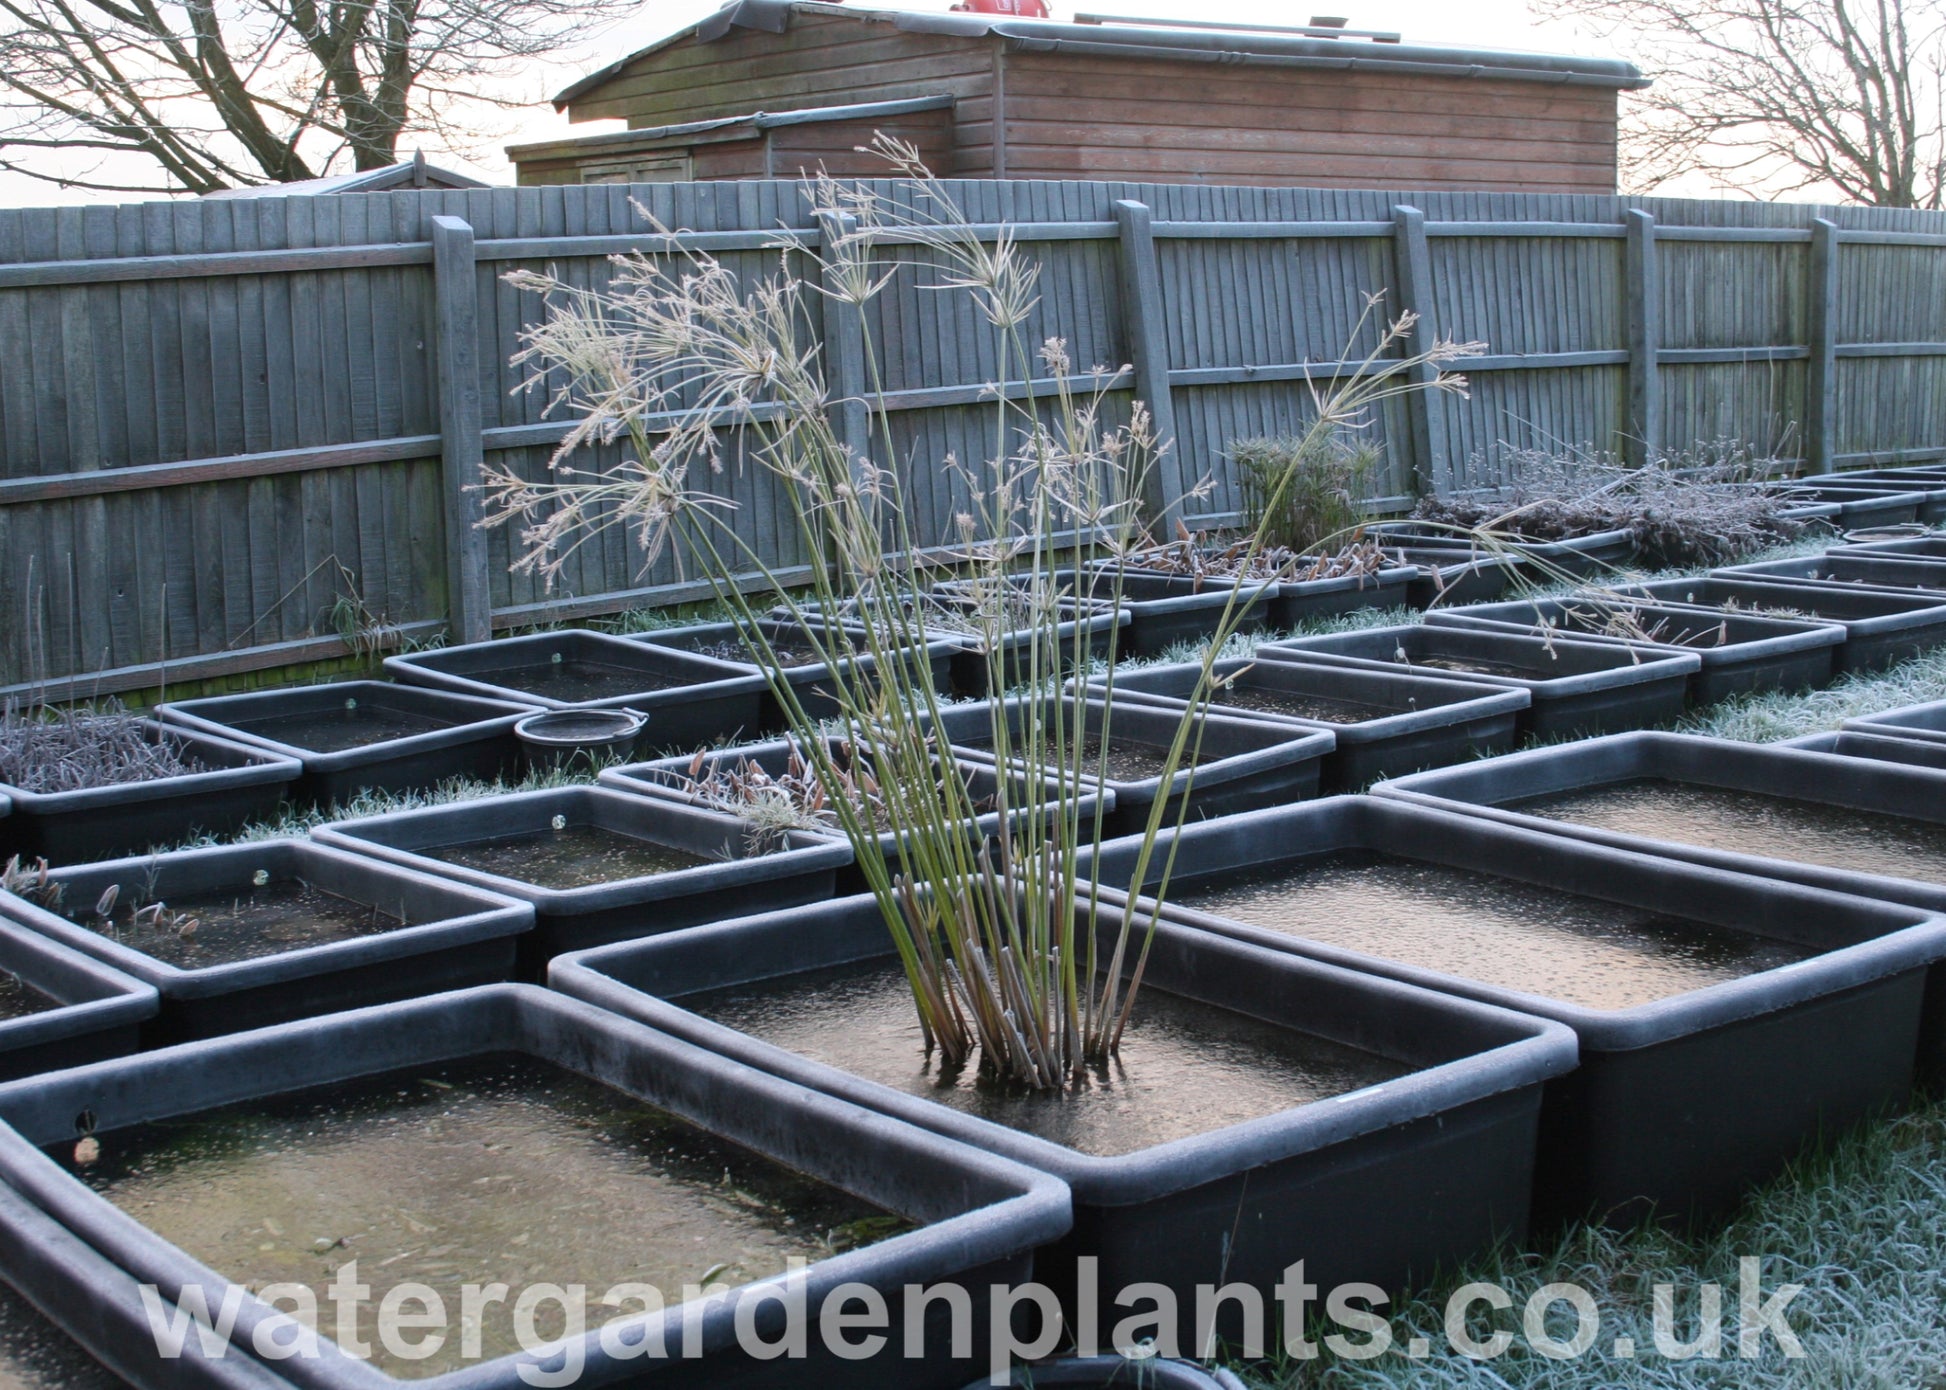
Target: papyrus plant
pixel 677 354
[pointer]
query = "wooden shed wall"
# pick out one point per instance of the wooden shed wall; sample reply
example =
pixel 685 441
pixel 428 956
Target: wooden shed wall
pixel 1077 117
pixel 794 150
pixel 1069 116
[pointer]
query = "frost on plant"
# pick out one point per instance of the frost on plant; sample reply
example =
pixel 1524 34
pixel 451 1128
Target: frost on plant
pixel 694 369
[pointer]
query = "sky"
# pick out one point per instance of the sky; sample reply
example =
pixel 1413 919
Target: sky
pixel 1475 24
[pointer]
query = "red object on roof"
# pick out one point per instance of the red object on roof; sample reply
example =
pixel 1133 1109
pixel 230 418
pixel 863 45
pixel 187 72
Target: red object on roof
pixel 1025 9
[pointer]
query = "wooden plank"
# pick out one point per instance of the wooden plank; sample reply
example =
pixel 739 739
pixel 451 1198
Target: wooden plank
pixel 110 270
pixel 1642 305
pixel 1267 231
pixel 1142 317
pixel 1821 315
pixel 469 585
pixel 1697 356
pixel 1884 349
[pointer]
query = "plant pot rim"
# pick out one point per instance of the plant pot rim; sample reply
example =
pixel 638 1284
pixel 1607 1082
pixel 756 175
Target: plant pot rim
pixel 1817 769
pixel 638 779
pixel 492 718
pixel 482 915
pixel 249 767
pixel 1473 700
pixel 52 1267
pixel 1885 724
pixel 1777 572
pixel 808 851
pixel 1787 636
pixel 1026 1208
pixel 113 998
pixel 1280 747
pixel 1621 538
pixel 1530 1049
pixel 715 680
pixel 934 649
pixel 1618 672
pixel 1914 938
pixel 1904 611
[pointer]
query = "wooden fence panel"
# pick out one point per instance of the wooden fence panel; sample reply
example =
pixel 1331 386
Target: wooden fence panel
pixel 222 426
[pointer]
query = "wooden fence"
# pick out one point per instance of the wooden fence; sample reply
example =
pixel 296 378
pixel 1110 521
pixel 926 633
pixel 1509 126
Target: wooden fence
pixel 236 435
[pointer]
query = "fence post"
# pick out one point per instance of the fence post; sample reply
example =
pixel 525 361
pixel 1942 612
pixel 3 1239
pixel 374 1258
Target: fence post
pixel 1412 272
pixel 844 356
pixel 1642 306
pixel 469 595
pixel 1821 376
pixel 1148 344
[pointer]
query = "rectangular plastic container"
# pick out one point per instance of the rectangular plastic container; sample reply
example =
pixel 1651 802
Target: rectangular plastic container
pixel 237 784
pixel 1407 1175
pixel 1738 654
pixel 689 699
pixel 1679 1104
pixel 1423 721
pixel 455 935
pixel 736 881
pixel 979 1217
pixel 476 738
pixel 1243 763
pixel 1577 688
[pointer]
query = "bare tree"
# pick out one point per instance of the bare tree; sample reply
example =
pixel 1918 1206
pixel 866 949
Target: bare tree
pixel 1783 96
pixel 223 93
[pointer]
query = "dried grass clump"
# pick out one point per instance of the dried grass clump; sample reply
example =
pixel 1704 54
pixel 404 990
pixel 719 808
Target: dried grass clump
pixel 1683 510
pixel 1190 559
pixel 48 750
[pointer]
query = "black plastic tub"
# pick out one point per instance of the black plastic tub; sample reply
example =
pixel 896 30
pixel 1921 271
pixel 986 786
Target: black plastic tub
pixel 974 1218
pixel 1577 688
pixel 675 777
pixel 1516 791
pixel 1899 806
pixel 66 1283
pixel 578 740
pixel 238 784
pixel 1372 1184
pixel 689 699
pixel 1863 505
pixel 452 935
pixel 1931 547
pixel 1242 763
pixel 1578 557
pixel 1682 1099
pixel 1386 722
pixel 652 864
pixel 1087 635
pixel 1880 629
pixel 63 1008
pixel 1301 601
pixel 425 736
pixel 799 653
pixel 1737 653
pixel 1450 575
pixel 1924 723
pixel 1857 743
pixel 1852 566
pixel 1166 610
pixel 1115 1373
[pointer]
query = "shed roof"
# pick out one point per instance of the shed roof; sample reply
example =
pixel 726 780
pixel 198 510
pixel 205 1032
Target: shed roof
pixel 1110 38
pixel 743 127
pixel 411 173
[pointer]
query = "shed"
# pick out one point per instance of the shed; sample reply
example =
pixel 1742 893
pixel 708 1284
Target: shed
pixel 771 88
pixel 411 173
